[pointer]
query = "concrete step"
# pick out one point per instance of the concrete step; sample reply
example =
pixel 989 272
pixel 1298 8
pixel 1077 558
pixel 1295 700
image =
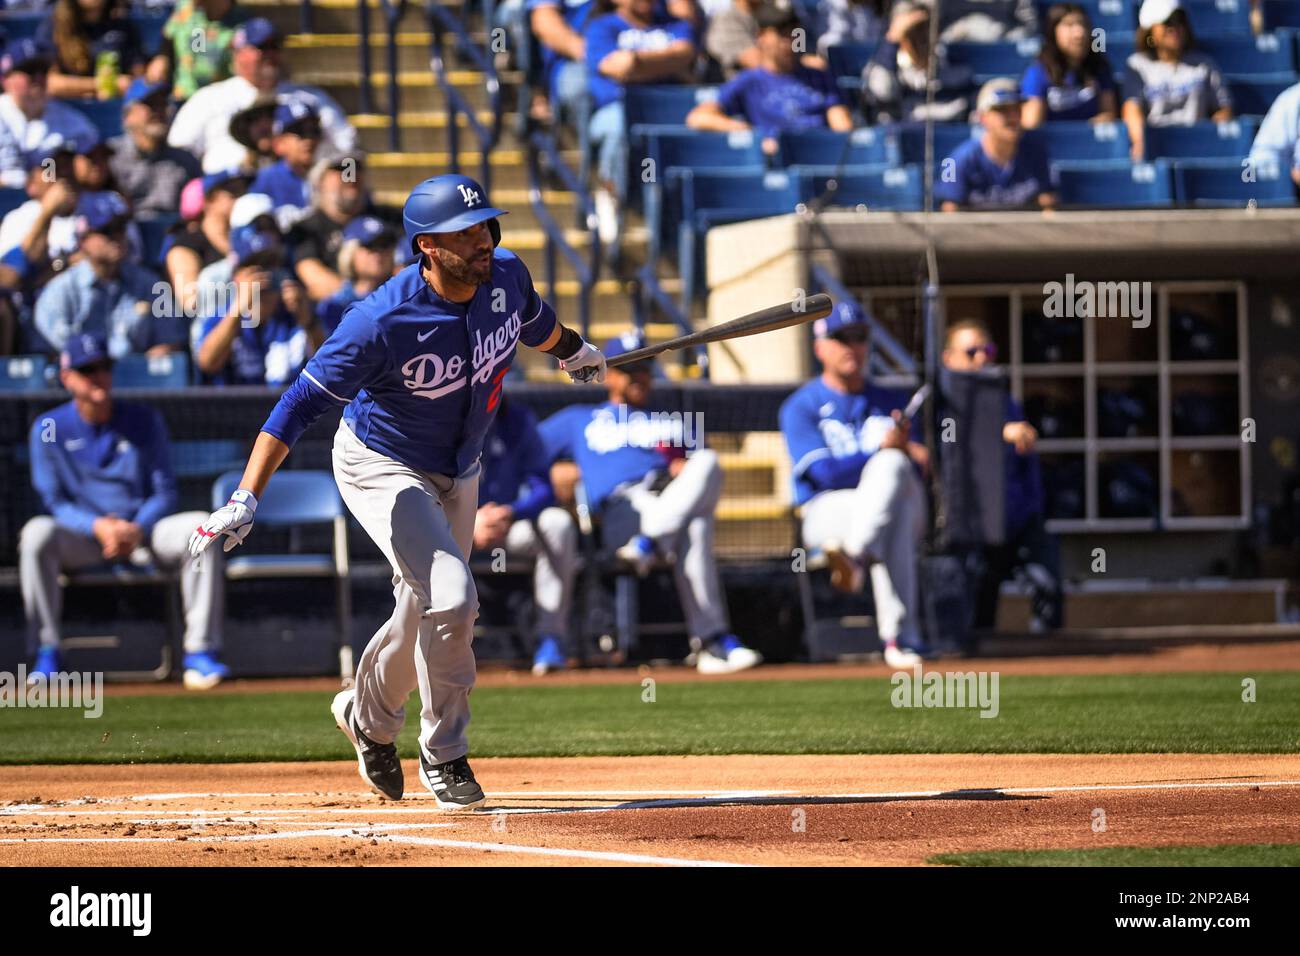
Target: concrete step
pixel 416 89
pixel 423 131
pixel 400 172
pixel 333 16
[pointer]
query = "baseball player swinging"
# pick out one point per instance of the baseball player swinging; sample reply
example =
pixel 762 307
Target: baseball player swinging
pixel 419 365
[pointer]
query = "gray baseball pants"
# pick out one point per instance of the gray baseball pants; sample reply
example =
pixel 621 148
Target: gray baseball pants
pixel 552 541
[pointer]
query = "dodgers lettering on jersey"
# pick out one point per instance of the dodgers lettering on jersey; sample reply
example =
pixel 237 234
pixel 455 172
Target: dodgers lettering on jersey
pixel 420 375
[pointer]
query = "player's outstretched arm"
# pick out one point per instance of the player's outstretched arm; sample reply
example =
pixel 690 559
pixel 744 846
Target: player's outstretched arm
pixel 582 360
pixel 235 518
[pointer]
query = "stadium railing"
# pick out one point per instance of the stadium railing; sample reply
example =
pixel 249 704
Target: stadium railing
pixel 442 21
pixel 392 13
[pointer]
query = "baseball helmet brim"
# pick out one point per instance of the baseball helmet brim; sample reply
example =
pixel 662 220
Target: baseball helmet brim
pixel 471 217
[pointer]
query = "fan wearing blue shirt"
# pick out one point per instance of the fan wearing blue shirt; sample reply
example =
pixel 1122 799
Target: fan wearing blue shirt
pixel 516 512
pixel 367 258
pixel 860 500
pixel 1069 80
pixel 295 138
pixel 779 95
pixel 103 471
pixel 1000 169
pixel 654 499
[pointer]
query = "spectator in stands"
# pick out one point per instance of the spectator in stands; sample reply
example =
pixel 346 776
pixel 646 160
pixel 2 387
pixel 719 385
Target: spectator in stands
pixel 852 21
pixel 269 330
pixel 366 260
pixel 1168 82
pixel 1069 80
pixel 202 125
pixel 30 121
pixel 190 68
pixel 654 500
pixel 984 21
pixel 205 239
pixel 1278 139
pixel 296 136
pixel 149 173
pixel 856 480
pixel 1029 552
pixel 38 238
pixel 632 45
pixel 250 209
pixel 558 26
pixel 517 513
pixel 96 49
pixel 254 128
pixel 1001 169
pixel 339 186
pixel 93 168
pixel 732 37
pixel 103 471
pixel 105 293
pixel 779 95
pixel 894 81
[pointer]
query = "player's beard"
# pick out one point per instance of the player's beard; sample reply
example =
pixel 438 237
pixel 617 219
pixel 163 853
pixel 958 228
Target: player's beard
pixel 465 271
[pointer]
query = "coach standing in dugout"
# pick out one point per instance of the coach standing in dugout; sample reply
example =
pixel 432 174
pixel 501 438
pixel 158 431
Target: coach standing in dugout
pixel 418 366
pixel 856 480
pixel 103 471
pixel 655 501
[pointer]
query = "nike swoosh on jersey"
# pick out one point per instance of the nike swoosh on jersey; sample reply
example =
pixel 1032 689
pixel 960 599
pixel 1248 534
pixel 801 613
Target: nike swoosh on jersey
pixel 421 338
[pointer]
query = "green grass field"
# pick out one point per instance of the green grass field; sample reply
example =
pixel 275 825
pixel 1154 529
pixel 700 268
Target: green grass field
pixel 1247 854
pixel 1194 713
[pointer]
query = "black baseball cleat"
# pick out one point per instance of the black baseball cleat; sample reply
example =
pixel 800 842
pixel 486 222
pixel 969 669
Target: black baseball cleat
pixel 377 763
pixel 452 783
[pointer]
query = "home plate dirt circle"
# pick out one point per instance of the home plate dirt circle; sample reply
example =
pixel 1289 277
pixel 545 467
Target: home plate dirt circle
pixel 672 811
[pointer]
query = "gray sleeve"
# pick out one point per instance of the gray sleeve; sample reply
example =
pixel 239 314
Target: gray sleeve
pixel 728 36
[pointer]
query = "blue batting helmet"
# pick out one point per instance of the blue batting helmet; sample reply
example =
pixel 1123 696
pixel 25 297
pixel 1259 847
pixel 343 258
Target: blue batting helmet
pixel 447 203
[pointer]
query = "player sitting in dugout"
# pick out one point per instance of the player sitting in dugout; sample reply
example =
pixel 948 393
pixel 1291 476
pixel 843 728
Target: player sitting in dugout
pixel 654 501
pixel 857 480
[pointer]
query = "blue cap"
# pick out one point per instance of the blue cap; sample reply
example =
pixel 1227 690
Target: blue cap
pixel 96 211
pixel 59 147
pixel 292 112
pixel 844 315
pixel 629 341
pixel 83 349
pixel 257 32
pixel 23 53
pixel 248 241
pixel 369 229
pixel 142 89
pixel 213 180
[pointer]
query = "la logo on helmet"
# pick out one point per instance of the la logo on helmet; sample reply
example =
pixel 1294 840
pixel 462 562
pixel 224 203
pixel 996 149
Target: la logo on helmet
pixel 470 196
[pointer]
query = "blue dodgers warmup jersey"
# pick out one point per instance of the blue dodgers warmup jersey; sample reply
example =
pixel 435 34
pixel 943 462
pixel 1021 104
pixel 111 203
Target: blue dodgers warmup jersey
pixel 820 423
pixel 420 376
pixel 980 183
pixel 773 102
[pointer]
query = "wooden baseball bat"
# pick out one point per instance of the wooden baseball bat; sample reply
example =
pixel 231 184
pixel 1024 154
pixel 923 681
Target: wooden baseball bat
pixel 765 320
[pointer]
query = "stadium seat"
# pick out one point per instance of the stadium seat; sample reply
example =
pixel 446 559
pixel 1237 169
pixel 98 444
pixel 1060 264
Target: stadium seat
pixel 1072 141
pixel 1253 95
pixel 1119 47
pixel 1202 141
pixel 26 373
pixel 947 137
pixel 1212 18
pixel 824 147
pixel 105 114
pixel 847 60
pixel 1114 185
pixel 152 371
pixel 10 199
pixel 1281 14
pixel 1001 58
pixel 662 105
pixel 298 499
pixel 1210 183
pixel 1113 16
pixel 16 26
pixel 207 458
pixel 1251 56
pixel 883 188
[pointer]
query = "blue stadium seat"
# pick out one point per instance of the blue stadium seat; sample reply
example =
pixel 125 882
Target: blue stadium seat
pixel 1119 47
pixel 1220 183
pixel 879 188
pixel 1070 141
pixel 1113 16
pixel 1114 185
pixel 1001 58
pixel 1212 18
pixel 947 137
pixel 847 60
pixel 207 458
pixel 662 105
pixel 11 199
pixel 149 25
pixel 1251 56
pixel 1253 95
pixel 19 25
pixel 824 147
pixel 1203 141
pixel 1280 14
pixel 26 373
pixel 158 371
pixel 105 114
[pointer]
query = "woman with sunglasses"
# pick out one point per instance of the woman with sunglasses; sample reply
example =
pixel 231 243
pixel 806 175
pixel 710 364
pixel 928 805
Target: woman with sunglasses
pixel 1070 80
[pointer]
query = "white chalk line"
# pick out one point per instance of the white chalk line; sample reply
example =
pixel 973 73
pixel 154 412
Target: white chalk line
pixel 601 855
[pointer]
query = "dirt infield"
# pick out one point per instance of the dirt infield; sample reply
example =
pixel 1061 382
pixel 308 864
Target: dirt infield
pixel 881 809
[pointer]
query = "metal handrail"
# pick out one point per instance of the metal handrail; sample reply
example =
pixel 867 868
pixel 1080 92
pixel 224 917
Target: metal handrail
pixel 542 145
pixel 441 22
pixel 392 12
pixel 305 19
pixel 883 345
pixel 648 290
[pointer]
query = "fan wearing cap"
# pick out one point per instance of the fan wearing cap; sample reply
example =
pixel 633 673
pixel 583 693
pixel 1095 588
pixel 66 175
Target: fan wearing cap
pixel 202 125
pixel 254 129
pixel 366 261
pixel 148 172
pixel 204 239
pixel 250 209
pixel 105 293
pixel 268 331
pixel 43 228
pixel 102 468
pixel 191 68
pixel 82 32
pixel 1000 169
pixel 860 500
pixel 295 139
pixel 895 81
pixel 1168 82
pixel 31 120
pixel 655 500
pixel 780 94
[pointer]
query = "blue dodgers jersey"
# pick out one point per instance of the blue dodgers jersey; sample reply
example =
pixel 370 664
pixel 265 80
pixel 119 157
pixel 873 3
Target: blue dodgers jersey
pixel 819 422
pixel 611 444
pixel 283 185
pixel 775 102
pixel 420 376
pixel 977 182
pixel 611 32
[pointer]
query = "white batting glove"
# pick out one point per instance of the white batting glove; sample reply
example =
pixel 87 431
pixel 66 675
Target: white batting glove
pixel 234 520
pixel 585 365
